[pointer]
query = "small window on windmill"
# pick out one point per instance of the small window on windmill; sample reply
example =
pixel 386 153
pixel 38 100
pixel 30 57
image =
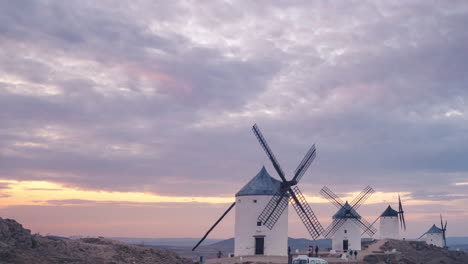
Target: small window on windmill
pixel 255 201
pixel 259 223
pixel 345 231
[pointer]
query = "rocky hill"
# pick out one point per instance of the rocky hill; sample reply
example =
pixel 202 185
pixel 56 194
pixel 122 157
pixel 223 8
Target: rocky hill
pixel 415 252
pixel 18 246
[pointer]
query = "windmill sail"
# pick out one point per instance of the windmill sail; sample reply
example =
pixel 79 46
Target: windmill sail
pixel 278 203
pixel 274 209
pixel 401 214
pixel 444 228
pixel 347 211
pixel 268 151
pixel 306 214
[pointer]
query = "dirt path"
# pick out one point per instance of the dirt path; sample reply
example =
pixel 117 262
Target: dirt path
pixel 372 247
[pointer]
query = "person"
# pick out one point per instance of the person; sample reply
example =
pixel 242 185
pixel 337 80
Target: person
pixel 311 250
pixel 316 250
pixel 289 255
pixel 220 254
pixel 355 254
pixel 351 253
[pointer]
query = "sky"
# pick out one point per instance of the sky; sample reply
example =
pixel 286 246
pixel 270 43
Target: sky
pixel 133 118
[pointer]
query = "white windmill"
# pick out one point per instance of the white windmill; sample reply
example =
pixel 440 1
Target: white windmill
pixel 389 220
pixel 261 226
pixel 345 229
pixel 436 236
pixel 251 237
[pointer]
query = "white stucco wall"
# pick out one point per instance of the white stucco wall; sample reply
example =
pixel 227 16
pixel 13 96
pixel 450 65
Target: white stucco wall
pixel 389 227
pixel 435 239
pixel 353 235
pixel 247 212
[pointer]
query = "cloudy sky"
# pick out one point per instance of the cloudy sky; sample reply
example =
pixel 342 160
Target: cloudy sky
pixel 133 118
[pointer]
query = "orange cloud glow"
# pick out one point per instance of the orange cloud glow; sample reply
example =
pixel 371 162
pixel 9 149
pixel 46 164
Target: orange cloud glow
pixel 40 192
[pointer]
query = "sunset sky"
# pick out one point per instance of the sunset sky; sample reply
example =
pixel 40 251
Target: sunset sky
pixel 133 118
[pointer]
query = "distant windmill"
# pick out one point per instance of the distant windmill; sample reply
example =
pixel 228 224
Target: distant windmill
pixel 346 225
pixel 261 226
pixel 436 236
pixel 389 221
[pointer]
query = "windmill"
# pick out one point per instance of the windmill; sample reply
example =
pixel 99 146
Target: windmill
pixel 289 191
pixel 436 236
pixel 344 229
pixel 261 211
pixel 389 220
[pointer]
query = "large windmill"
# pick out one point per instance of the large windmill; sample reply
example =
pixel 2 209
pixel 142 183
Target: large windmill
pixel 389 220
pixel 261 212
pixel 289 191
pixel 436 236
pixel 345 229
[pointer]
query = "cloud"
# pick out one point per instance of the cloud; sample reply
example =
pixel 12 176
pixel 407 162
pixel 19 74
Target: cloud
pixel 160 97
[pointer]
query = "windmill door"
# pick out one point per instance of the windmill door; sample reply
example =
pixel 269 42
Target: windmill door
pixel 345 245
pixel 259 245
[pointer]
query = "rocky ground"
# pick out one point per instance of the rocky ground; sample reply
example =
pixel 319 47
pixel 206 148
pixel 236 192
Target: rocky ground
pixel 377 252
pixel 18 246
pixel 416 252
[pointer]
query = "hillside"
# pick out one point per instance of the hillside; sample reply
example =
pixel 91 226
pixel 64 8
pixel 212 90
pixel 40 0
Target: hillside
pixel 17 246
pixel 415 252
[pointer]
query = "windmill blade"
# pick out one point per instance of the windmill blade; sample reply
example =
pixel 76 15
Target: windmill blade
pixel 370 230
pixel 403 221
pixel 215 224
pixel 401 214
pixel 268 151
pixel 443 230
pixel 333 227
pixel 306 214
pixel 441 223
pixel 332 197
pixel 362 197
pixel 274 209
pixel 400 207
pixel 304 165
pixel 371 225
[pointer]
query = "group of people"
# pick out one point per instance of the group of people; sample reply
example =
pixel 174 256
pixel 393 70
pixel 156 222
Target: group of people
pixel 311 251
pixel 353 252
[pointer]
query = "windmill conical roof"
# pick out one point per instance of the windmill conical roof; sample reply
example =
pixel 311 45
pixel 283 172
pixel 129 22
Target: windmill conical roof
pixel 434 230
pixel 346 211
pixel 389 212
pixel 261 184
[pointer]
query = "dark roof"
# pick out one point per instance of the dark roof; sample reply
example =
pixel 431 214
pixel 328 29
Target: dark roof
pixel 346 212
pixel 389 212
pixel 434 229
pixel 261 184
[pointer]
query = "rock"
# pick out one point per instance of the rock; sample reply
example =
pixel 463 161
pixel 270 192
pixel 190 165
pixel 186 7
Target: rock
pixel 12 234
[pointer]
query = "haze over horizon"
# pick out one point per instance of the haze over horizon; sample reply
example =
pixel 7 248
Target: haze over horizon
pixel 133 118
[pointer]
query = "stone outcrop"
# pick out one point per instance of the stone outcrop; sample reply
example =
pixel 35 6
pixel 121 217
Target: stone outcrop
pixel 12 234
